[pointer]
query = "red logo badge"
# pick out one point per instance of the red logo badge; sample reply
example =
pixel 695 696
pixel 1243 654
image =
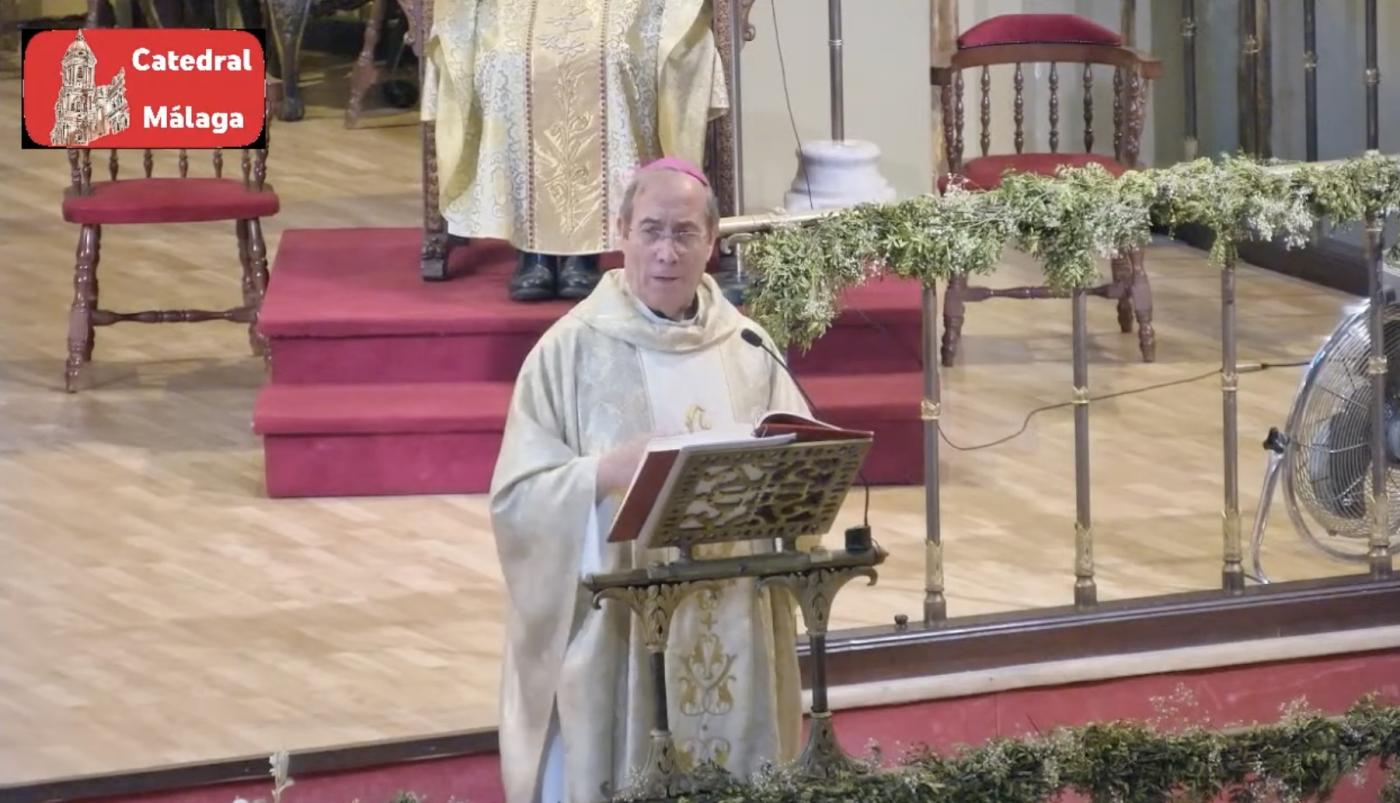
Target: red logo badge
pixel 143 88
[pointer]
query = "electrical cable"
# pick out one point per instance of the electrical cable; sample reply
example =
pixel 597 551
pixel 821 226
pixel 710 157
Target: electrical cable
pixel 1249 368
pixel 787 97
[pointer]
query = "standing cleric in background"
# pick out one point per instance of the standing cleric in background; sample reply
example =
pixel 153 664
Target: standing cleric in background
pixel 655 350
pixel 543 107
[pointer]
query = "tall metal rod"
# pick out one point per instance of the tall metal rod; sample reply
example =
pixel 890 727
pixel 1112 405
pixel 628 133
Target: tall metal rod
pixel 1373 81
pixel 838 122
pixel 1248 70
pixel 935 604
pixel 1255 82
pixel 1310 75
pixel 1232 576
pixel 736 114
pixel 1085 592
pixel 1188 44
pixel 942 41
pixel 1379 551
pixel 1264 80
pixel 736 105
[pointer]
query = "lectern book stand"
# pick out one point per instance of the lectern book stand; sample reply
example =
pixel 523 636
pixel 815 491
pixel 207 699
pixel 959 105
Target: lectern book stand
pixel 692 495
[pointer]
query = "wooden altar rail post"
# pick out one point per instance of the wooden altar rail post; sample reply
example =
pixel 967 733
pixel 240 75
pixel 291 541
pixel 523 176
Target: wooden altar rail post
pixel 1232 574
pixel 1085 591
pixel 943 41
pixel 1378 553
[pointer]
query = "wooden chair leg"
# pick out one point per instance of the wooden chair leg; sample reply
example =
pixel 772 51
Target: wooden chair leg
pixel 287 20
pixel 433 256
pixel 96 260
pixel 1141 294
pixel 1123 284
pixel 255 281
pixel 365 74
pixel 953 310
pixel 245 262
pixel 80 316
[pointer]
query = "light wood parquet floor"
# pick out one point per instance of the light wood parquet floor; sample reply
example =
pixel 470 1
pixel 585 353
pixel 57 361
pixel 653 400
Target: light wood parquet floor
pixel 157 608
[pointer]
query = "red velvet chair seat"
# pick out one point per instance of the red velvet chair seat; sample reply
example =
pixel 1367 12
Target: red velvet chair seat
pixel 1019 29
pixel 985 172
pixel 169 200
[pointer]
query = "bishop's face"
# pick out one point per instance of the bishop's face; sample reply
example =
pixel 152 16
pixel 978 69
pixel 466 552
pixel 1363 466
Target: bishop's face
pixel 668 241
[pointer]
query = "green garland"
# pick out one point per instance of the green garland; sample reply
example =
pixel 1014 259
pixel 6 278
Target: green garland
pixel 1067 221
pixel 800 272
pixel 1303 757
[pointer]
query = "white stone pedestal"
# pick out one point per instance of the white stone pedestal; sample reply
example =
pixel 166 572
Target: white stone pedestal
pixel 836 174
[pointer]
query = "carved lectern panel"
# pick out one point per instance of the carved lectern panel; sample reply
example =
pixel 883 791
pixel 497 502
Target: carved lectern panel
pixel 784 492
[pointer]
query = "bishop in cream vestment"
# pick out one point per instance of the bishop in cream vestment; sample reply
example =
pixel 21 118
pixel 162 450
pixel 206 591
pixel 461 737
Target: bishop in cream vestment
pixel 544 107
pixel 576 692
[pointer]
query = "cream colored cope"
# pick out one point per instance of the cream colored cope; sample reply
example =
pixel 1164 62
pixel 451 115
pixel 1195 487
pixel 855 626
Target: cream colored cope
pixel 576 694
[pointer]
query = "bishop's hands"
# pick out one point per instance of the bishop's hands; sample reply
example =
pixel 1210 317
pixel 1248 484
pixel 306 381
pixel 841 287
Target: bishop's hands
pixel 617 467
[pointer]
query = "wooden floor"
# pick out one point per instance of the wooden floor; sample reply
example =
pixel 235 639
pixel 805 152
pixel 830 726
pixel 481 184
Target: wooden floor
pixel 157 608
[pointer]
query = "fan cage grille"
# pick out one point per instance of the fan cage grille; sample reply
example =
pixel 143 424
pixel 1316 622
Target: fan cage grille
pixel 1329 465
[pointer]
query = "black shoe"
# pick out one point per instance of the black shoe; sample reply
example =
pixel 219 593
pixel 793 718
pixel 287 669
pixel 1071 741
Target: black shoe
pixel 534 278
pixel 578 275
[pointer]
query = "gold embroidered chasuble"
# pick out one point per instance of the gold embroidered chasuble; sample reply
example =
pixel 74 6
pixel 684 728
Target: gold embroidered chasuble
pixel 544 107
pixel 576 692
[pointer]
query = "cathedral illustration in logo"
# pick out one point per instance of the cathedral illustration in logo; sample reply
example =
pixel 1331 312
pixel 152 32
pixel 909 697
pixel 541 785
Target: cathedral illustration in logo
pixel 85 111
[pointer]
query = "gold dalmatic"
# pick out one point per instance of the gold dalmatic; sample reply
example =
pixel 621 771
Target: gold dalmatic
pixel 544 107
pixel 567 137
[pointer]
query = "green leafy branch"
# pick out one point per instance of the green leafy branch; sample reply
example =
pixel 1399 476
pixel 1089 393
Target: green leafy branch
pixel 1305 756
pixel 1068 222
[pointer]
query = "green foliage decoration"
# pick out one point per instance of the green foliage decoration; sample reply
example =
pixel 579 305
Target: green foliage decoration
pixel 1069 222
pixel 1305 756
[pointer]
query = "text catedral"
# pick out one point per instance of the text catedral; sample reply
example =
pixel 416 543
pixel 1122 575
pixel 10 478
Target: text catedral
pixel 144 60
pixel 187 117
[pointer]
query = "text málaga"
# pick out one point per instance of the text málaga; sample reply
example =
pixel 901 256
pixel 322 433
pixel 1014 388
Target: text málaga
pixel 187 117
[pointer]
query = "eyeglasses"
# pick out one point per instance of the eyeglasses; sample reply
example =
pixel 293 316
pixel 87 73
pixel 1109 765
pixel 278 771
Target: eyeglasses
pixel 687 240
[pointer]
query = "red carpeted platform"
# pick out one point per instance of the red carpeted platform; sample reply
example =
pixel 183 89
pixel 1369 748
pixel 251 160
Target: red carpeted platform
pixel 382 383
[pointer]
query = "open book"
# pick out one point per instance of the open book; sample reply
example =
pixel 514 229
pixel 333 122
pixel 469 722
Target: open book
pixel 666 457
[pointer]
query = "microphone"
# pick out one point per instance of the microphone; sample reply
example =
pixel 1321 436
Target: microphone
pixel 857 538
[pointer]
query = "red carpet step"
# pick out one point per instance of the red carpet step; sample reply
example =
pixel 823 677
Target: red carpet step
pixel 347 305
pixel 384 384
pixel 443 437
